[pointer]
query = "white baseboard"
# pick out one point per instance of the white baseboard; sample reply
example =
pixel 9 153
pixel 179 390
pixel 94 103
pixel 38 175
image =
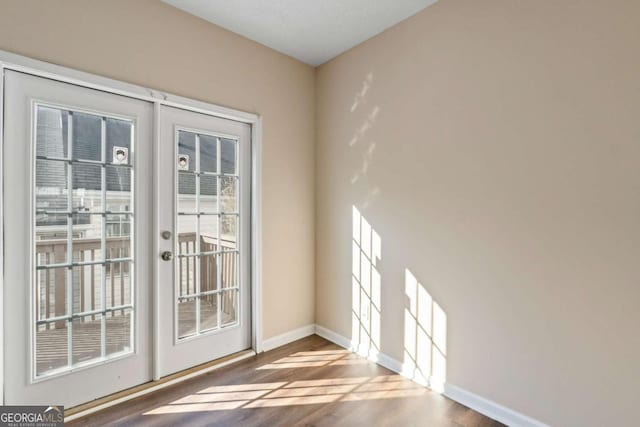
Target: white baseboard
pixel 287 337
pixel 490 408
pixel 335 338
pixel 387 362
pixel 471 400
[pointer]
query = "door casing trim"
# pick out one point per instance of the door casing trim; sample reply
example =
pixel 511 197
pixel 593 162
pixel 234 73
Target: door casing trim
pixel 23 64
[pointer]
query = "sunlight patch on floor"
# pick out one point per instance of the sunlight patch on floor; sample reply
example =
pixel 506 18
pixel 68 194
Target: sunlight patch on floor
pixel 301 392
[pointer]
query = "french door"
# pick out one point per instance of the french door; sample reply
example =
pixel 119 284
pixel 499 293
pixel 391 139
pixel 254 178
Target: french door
pixel 204 216
pixel 80 301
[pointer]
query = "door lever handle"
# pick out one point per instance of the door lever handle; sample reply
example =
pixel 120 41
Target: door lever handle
pixel 166 255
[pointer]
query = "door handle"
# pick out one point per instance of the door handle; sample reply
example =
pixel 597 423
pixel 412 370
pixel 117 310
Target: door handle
pixel 166 255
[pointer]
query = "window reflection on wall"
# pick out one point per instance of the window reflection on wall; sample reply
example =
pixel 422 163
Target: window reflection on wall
pixel 366 282
pixel 425 336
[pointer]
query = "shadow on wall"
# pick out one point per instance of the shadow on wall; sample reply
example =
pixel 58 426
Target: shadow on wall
pixel 425 322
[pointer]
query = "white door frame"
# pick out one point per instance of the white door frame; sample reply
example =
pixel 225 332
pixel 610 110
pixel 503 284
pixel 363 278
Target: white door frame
pixel 11 61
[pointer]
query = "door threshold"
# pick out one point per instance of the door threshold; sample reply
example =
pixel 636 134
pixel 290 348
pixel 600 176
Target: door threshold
pixel 146 388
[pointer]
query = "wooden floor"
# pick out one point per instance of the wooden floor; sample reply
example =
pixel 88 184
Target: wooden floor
pixel 310 382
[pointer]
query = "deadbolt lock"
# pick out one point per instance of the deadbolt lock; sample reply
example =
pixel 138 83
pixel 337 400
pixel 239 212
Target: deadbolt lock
pixel 166 256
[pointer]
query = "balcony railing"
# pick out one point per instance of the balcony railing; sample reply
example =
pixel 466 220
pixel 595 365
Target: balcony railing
pixel 51 288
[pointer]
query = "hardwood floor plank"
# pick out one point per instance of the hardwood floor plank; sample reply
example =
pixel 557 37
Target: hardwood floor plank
pixel 310 382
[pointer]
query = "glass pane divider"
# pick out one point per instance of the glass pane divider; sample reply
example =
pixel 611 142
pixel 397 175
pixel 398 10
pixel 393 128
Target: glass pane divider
pixel 84 314
pixel 69 290
pixel 52 266
pixel 193 172
pixel 132 244
pixel 84 263
pixel 207 293
pixel 201 254
pixel 53 158
pixel 54 212
pixel 103 236
pixel 197 264
pixel 83 161
pixel 218 246
pixel 208 213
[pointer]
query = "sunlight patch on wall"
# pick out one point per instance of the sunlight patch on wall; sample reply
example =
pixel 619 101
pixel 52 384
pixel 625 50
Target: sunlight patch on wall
pixel 359 97
pixel 365 288
pixel 425 336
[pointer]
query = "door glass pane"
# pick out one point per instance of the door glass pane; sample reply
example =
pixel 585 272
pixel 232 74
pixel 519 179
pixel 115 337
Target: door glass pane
pixel 208 233
pixel 228 194
pixel 87 187
pixel 186 151
pixel 51 185
pixel 118 325
pixel 229 307
pixel 118 235
pixel 187 230
pixel 118 284
pixel 87 237
pixel 70 147
pixel 87 129
pixel 187 317
pixel 208 153
pixel 228 155
pixel 208 312
pixel 208 273
pixel 87 288
pixel 51 132
pixel 51 303
pixel 118 133
pixel 51 239
pixel 207 188
pixel 228 231
pixel 186 192
pixel 119 189
pixel 51 293
pixel 86 338
pixel 51 347
pixel 208 194
pixel 186 272
pixel 229 269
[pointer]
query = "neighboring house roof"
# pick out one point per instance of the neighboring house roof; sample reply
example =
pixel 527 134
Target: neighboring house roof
pixel 52 135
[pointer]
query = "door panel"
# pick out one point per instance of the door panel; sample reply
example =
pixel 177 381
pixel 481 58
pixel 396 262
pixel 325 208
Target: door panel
pixel 77 170
pixel 205 204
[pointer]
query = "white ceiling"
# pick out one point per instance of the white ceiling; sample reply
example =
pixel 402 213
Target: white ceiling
pixel 313 31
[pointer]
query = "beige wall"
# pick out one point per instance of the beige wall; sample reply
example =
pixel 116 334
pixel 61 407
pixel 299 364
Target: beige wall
pixel 496 152
pixel 149 43
pixel 492 145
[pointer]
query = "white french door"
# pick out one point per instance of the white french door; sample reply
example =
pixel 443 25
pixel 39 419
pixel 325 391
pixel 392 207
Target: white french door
pixel 80 302
pixel 204 210
pixel 77 174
